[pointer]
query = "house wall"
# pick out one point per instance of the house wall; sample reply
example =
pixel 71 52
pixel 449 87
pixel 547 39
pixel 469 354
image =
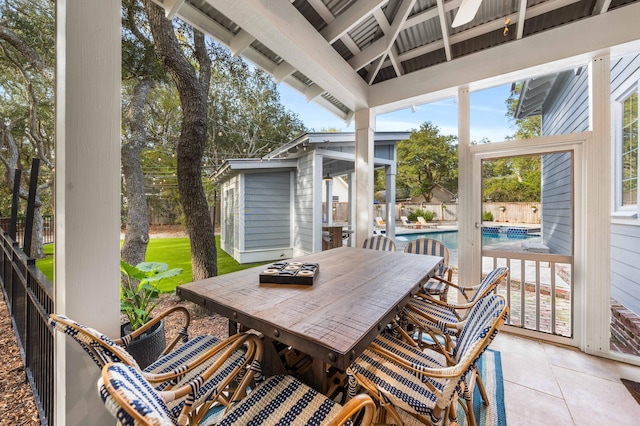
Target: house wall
pixel 267 213
pixel 625 236
pixel 303 206
pixel 556 199
pixel 567 112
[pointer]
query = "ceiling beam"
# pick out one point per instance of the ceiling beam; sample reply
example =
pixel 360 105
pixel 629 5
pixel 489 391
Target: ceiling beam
pixel 281 28
pixel 358 12
pixel 522 12
pixel 487 27
pixel 555 50
pixel 240 42
pixel 444 29
pixel 383 45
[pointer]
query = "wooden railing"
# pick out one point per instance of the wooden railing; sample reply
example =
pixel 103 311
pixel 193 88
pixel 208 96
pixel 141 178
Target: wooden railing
pixel 539 290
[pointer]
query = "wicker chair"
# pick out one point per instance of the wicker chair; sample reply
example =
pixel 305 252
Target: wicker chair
pixel 432 247
pixel 379 242
pixel 405 380
pixel 170 370
pixel 278 399
pixel 432 315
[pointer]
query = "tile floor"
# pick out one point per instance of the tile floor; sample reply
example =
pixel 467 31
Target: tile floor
pixel 545 384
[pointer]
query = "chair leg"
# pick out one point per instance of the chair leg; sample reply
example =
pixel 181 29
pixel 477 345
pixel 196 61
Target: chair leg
pixel 483 392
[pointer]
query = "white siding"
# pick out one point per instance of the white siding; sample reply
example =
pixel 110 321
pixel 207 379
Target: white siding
pixel 229 213
pixel 303 224
pixel 267 213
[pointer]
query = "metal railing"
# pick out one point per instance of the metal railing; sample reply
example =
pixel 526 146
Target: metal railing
pixel 539 290
pixel 48 229
pixel 29 297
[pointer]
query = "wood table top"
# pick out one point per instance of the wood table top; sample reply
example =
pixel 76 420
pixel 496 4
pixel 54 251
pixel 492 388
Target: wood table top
pixel 356 293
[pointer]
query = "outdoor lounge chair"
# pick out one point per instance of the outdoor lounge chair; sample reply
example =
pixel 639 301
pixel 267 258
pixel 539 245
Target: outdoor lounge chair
pixel 408 224
pixel 405 380
pixel 421 220
pixel 432 247
pixel 171 369
pixel 277 400
pixel 379 242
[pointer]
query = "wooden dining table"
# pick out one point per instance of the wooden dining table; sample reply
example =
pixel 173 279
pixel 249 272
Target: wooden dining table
pixel 355 294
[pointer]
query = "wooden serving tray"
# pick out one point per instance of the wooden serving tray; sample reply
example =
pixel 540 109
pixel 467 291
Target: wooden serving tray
pixel 290 273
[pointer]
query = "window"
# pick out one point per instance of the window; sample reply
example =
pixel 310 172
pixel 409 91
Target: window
pixel 629 151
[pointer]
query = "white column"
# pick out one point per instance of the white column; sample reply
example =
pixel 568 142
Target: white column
pixel 329 202
pixel 469 260
pixel 352 209
pixel 593 326
pixel 87 195
pixel 365 129
pixel 390 191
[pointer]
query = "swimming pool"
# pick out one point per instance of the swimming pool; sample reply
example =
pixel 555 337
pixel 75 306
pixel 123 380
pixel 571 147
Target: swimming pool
pixel 450 238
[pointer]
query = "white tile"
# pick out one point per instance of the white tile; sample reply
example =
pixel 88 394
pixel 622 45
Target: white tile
pixel 597 401
pixel 575 360
pixel 526 407
pixel 525 362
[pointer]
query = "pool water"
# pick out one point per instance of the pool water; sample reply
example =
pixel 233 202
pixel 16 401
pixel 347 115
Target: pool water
pixel 450 238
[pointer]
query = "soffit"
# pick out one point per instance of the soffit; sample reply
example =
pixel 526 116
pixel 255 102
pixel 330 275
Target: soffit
pixel 335 51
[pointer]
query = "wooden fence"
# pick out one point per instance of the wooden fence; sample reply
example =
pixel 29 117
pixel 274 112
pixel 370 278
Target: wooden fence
pixel 448 212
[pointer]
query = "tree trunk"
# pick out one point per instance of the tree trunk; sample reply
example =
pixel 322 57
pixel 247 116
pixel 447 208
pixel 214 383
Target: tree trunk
pixel 136 236
pixel 193 90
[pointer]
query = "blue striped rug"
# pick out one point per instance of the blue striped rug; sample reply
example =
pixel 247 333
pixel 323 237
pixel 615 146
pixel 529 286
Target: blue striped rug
pixel 490 366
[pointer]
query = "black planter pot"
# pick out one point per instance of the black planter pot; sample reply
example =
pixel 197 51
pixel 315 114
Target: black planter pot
pixel 148 347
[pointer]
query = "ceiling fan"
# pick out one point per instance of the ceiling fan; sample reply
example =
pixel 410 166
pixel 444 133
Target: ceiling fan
pixel 466 12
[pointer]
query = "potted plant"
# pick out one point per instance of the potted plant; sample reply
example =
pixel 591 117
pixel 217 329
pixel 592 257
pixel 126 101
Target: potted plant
pixel 138 299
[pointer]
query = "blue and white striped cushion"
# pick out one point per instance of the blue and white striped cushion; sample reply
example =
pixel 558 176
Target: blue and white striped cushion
pixel 447 315
pixel 430 247
pixel 101 354
pixel 142 398
pixel 379 242
pixel 478 324
pixel 282 400
pixel 402 387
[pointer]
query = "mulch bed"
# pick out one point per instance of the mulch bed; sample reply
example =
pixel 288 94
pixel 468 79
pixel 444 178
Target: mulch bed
pixel 17 406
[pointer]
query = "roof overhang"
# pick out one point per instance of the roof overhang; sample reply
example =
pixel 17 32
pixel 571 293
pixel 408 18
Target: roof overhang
pixel 393 54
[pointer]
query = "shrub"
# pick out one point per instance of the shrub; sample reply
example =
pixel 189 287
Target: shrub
pixel 487 216
pixel 413 216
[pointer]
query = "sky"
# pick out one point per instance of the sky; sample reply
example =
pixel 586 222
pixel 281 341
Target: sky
pixel 488 118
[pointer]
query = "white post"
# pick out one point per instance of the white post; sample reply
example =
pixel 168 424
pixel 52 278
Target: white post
pixel 470 260
pixel 329 201
pixel 87 195
pixel 365 129
pixel 593 327
pixel 390 191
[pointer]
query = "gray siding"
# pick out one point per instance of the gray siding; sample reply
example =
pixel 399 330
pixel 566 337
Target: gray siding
pixel 625 265
pixel 567 111
pixel 557 202
pixel 625 238
pixel 304 205
pixel 267 213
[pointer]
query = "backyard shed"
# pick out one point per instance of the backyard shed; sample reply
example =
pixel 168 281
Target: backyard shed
pixel 271 207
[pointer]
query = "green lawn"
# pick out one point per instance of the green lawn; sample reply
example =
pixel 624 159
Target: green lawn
pixel 175 252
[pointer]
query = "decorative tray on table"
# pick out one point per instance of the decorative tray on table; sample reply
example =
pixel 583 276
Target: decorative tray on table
pixel 290 273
